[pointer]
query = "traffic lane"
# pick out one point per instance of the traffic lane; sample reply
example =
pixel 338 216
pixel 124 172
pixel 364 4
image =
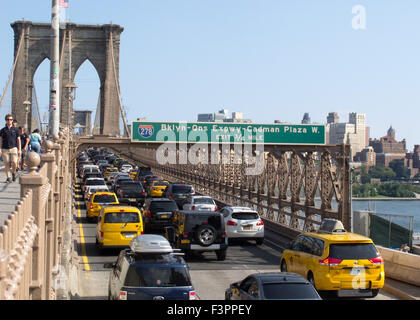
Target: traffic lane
pixel 209 276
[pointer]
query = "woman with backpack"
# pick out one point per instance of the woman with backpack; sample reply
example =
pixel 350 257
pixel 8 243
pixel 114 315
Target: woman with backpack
pixel 35 142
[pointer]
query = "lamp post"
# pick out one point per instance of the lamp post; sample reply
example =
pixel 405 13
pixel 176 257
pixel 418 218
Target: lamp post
pixel 71 87
pixel 27 108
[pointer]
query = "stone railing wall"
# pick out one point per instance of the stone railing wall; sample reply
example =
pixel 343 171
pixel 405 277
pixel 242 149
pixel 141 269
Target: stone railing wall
pixel 31 240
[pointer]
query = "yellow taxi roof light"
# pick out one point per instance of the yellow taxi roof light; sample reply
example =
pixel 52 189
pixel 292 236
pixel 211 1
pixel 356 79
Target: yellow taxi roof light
pixel 331 226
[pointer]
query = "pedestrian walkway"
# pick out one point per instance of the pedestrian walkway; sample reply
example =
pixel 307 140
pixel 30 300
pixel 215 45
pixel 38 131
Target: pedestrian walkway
pixel 9 194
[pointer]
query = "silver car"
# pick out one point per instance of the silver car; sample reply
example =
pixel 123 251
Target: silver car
pixel 243 223
pixel 200 203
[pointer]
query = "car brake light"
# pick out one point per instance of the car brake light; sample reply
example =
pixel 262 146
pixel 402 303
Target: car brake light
pixel 260 223
pixel 148 213
pixel 377 261
pixel 193 208
pixel 123 295
pixel 215 208
pixel 143 193
pixel 102 234
pixel 185 234
pixel 122 192
pixel 192 295
pixel 170 196
pixel 330 262
pixel 91 206
pixel 231 223
pixel 223 234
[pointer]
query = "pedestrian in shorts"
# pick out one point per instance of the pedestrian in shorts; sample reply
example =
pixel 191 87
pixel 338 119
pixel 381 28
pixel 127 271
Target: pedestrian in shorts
pixel 10 146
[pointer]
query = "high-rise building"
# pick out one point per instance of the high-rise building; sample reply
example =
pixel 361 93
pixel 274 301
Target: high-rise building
pixel 387 148
pixel 306 119
pixel 352 132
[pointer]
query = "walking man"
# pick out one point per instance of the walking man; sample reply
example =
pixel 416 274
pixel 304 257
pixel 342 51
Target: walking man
pixel 10 146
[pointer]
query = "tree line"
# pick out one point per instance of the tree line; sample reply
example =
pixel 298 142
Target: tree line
pixel 363 185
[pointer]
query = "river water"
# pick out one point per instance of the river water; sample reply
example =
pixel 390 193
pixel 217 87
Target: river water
pixel 397 207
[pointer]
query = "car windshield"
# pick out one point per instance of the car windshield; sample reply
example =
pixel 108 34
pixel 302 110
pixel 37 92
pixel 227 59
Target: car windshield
pixel 98 182
pixel 181 189
pixel 203 201
pixel 353 251
pixel 153 276
pixel 163 205
pixel 245 215
pixel 122 217
pixel 292 291
pixel 104 198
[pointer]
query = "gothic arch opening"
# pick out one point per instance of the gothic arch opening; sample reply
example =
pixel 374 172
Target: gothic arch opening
pixel 87 95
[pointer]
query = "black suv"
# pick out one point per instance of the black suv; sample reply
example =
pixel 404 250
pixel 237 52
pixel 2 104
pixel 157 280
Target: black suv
pixel 131 192
pixel 179 192
pixel 198 231
pixel 149 271
pixel 157 213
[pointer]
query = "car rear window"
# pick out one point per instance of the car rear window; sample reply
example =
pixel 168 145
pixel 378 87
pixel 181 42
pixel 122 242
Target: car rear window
pixel 122 217
pixel 163 205
pixel 289 291
pixel 104 198
pixel 203 201
pixel 153 276
pixel 245 215
pixel 160 184
pixel 95 182
pixel 130 185
pixel 181 189
pixel 353 251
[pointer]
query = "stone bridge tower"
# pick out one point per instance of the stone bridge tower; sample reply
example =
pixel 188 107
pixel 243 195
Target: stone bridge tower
pixel 100 44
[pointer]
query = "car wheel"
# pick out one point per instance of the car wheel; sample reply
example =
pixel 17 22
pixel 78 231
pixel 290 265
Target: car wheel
pixel 259 241
pixel 221 255
pixel 283 266
pixel 375 293
pixel 206 235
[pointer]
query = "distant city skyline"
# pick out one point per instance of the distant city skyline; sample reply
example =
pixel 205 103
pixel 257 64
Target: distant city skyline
pixel 269 59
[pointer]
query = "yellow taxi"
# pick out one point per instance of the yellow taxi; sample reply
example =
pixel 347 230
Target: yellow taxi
pixel 157 188
pixel 133 173
pixel 334 260
pixel 108 171
pixel 117 226
pixel 97 201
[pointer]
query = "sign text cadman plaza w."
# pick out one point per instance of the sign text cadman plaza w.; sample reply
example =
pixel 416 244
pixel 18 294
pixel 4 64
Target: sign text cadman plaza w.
pixel 224 132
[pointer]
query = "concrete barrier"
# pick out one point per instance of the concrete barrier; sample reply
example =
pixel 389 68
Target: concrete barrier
pixel 401 266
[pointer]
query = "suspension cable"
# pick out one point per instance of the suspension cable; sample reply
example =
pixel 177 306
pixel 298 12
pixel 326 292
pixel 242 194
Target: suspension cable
pixel 14 67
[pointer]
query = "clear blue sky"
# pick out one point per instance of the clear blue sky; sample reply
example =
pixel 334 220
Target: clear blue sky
pixel 270 59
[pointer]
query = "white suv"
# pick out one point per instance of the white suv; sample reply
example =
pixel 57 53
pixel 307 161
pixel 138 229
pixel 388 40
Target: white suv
pixel 200 203
pixel 243 223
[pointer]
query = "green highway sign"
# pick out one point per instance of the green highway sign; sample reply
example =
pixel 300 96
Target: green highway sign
pixel 226 132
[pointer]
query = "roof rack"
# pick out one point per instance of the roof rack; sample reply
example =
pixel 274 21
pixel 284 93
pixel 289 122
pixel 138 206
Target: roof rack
pixel 331 226
pixel 150 243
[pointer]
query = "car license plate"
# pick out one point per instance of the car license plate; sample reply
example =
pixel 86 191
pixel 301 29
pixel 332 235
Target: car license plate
pixel 130 235
pixel 163 216
pixel 131 199
pixel 356 271
pixel 246 227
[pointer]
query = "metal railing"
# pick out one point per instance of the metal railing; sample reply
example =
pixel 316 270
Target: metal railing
pixel 31 239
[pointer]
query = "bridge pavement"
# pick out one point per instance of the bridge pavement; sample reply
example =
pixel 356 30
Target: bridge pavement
pixel 9 194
